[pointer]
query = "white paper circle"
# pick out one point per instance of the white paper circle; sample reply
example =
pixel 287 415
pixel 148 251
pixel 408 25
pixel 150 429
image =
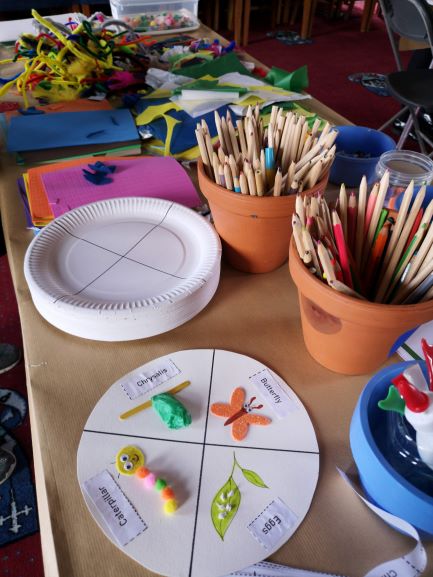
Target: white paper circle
pixel 197 461
pixel 123 269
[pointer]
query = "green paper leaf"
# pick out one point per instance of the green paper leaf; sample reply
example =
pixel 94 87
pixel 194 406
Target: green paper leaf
pixel 253 478
pixel 224 506
pixel 295 81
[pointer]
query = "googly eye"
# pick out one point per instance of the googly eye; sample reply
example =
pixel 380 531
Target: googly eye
pixel 123 458
pixel 128 466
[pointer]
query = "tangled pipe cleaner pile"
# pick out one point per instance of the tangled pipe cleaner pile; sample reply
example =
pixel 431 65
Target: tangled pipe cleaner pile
pixel 64 63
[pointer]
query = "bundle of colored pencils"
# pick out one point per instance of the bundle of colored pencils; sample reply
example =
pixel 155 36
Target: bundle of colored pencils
pixel 365 250
pixel 284 158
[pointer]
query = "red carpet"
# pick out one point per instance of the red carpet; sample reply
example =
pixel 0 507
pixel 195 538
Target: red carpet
pixel 23 558
pixel 338 50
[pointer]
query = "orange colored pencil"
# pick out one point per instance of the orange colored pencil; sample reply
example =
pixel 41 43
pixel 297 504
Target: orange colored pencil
pixel 376 254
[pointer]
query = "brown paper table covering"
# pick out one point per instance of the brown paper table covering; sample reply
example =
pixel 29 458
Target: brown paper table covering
pixel 256 315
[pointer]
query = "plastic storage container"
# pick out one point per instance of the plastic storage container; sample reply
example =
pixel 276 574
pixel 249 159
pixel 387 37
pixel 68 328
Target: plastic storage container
pixel 404 166
pixel 358 150
pixel 157 17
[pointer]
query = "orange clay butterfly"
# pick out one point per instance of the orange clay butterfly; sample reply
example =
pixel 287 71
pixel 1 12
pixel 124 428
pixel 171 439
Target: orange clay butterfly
pixel 238 414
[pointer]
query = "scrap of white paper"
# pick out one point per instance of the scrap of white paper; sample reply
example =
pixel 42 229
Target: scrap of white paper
pixel 278 399
pixel 411 348
pixel 412 564
pixel 116 510
pixel 240 79
pixel 143 382
pixel 272 524
pixel 266 569
pixel 197 108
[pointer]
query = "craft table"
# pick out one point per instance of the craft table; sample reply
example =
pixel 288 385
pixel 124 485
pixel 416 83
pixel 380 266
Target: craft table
pixel 256 315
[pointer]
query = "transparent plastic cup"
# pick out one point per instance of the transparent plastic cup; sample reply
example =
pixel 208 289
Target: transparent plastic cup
pixel 403 166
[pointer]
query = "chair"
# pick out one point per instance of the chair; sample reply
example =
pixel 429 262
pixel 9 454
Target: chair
pixel 412 19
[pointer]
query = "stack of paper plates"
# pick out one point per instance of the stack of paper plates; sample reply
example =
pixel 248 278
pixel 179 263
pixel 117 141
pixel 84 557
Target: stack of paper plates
pixel 123 269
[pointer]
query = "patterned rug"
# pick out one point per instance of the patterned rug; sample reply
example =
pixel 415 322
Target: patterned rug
pixel 20 549
pixel 375 83
pixel 289 37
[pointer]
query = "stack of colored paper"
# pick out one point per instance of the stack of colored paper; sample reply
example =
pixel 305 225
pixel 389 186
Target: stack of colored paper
pixel 54 189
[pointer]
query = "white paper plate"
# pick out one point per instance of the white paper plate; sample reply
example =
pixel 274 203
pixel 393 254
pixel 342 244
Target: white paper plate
pixel 198 460
pixel 124 268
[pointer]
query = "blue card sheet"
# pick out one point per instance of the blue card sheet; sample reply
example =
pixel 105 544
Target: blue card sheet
pixel 63 129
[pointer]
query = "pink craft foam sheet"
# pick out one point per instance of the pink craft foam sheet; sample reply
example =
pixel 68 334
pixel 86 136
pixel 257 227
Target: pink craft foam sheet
pixel 158 177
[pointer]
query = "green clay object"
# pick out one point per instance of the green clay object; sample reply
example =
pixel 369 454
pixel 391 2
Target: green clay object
pixel 393 401
pixel 160 484
pixel 171 411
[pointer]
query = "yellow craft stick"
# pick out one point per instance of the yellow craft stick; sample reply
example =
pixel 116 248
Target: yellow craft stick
pixel 148 403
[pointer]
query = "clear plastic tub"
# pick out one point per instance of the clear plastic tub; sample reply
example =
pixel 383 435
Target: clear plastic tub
pixel 157 17
pixel 403 166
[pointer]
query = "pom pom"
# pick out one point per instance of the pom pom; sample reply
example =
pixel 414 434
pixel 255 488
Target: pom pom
pixel 149 481
pixel 160 484
pixel 170 506
pixel 167 493
pixel 142 472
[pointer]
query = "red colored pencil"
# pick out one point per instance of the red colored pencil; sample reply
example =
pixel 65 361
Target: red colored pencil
pixel 342 249
pixel 414 228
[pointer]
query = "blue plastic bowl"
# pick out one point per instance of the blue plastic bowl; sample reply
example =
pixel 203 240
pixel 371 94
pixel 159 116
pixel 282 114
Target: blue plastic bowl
pixel 386 487
pixel 352 141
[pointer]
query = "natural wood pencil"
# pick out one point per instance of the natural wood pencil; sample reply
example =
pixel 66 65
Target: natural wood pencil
pixel 243 183
pixel 424 248
pixel 397 252
pixel 343 288
pixel 383 188
pixel 277 183
pixel 325 262
pixel 309 245
pixel 342 209
pixel 359 237
pixel 399 223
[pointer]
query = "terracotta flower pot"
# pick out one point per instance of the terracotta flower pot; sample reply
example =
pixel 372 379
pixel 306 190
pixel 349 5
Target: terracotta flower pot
pixel 345 334
pixel 255 230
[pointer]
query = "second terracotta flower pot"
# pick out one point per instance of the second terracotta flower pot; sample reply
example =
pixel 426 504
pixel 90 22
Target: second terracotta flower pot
pixel 345 334
pixel 255 230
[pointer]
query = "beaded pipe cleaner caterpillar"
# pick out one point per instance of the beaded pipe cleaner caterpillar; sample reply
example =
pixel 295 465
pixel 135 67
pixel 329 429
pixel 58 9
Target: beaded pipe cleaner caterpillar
pixel 130 461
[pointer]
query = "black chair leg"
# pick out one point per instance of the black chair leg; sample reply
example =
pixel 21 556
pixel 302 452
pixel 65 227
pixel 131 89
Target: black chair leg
pixel 414 117
pixel 391 120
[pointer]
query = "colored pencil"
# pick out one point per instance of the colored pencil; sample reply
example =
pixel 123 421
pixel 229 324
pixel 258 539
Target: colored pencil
pixel 399 247
pixel 342 249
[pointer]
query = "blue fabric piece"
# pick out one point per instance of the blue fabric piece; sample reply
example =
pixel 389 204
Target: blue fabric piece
pixel 184 132
pixel 102 167
pixel 96 177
